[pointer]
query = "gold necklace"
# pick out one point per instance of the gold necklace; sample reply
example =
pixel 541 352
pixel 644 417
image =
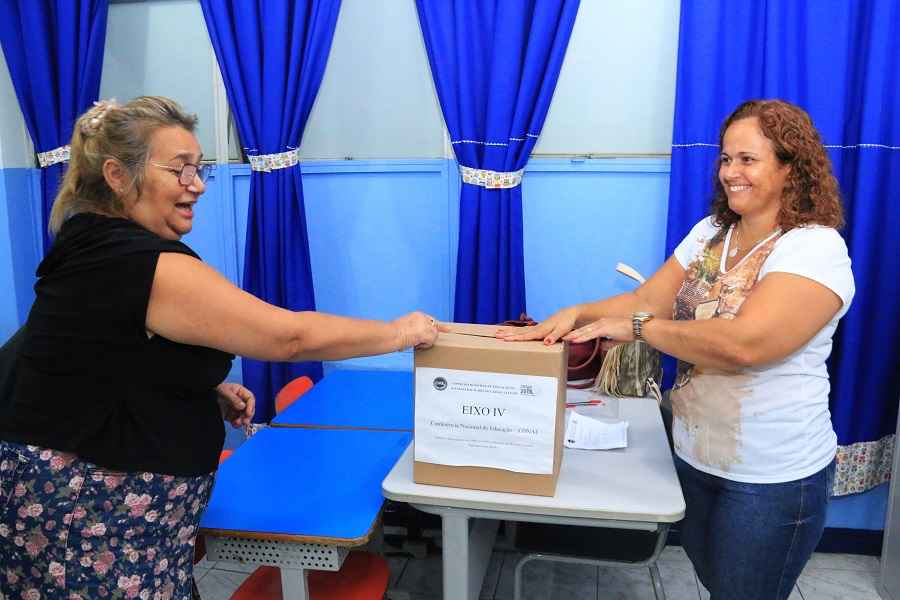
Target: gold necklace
pixel 735 245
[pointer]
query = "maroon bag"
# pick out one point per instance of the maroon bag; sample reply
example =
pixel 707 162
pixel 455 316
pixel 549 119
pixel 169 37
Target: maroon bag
pixel 585 358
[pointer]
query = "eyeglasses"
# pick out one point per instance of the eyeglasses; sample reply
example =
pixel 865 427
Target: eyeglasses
pixel 187 172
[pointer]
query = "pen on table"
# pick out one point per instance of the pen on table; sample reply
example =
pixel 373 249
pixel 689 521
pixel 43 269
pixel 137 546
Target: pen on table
pixel 584 403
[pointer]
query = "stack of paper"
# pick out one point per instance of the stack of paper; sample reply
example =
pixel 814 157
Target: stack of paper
pixel 588 433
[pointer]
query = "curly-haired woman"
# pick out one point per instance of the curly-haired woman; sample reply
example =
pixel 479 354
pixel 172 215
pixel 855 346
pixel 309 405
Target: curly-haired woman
pixel 748 304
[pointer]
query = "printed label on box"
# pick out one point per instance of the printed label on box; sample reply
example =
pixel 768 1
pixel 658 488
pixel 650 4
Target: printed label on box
pixel 477 419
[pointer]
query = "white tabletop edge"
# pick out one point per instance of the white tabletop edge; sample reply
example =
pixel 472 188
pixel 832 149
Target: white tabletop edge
pixel 585 514
pixel 626 497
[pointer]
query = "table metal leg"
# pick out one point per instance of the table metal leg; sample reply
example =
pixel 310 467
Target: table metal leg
pixel 467 546
pixel 293 584
pixel 655 578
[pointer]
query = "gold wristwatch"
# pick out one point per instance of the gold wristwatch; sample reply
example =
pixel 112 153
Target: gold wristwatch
pixel 637 322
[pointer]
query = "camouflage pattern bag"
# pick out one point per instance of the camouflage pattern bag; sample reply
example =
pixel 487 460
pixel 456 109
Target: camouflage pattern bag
pixel 631 369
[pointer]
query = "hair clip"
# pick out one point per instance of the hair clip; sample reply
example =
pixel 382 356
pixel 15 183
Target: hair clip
pixel 92 125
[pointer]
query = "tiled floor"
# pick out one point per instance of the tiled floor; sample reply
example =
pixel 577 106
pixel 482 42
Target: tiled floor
pixel 826 577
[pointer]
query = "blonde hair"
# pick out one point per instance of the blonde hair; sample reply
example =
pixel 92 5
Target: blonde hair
pixel 111 131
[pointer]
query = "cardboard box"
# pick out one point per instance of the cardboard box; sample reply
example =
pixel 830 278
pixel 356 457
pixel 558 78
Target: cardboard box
pixel 470 363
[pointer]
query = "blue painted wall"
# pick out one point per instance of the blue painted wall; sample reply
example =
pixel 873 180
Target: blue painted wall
pixel 383 238
pixel 581 218
pixel 383 234
pixel 20 242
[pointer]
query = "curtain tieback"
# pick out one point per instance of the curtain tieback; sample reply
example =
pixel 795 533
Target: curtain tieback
pixel 51 157
pixel 265 163
pixel 492 180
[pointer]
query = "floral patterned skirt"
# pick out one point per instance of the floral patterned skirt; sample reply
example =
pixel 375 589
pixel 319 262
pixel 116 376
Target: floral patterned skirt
pixel 72 530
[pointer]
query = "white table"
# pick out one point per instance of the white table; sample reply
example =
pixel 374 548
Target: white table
pixel 631 488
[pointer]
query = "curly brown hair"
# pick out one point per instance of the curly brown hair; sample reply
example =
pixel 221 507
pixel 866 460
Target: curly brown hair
pixel 811 194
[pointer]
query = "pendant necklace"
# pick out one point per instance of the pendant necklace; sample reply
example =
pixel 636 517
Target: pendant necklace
pixel 735 247
pixel 736 244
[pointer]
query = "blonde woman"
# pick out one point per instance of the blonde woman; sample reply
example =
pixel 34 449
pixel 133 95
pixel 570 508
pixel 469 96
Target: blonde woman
pixel 109 449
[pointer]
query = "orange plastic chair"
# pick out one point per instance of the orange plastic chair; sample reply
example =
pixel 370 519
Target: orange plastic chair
pixel 363 576
pixel 291 391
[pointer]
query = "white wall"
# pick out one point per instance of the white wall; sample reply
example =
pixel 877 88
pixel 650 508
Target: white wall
pixel 615 95
pixel 161 47
pixel 377 98
pixel 15 145
pixel 616 89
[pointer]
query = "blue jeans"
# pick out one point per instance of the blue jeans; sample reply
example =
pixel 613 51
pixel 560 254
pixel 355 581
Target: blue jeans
pixel 750 541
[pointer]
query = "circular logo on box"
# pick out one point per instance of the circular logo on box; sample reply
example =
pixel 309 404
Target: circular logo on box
pixel 440 384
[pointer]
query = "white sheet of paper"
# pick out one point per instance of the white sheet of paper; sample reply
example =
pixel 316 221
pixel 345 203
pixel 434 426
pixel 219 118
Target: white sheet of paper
pixel 587 433
pixel 497 420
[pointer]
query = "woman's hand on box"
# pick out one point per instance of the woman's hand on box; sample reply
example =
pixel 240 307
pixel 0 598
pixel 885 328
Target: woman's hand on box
pixel 555 327
pixel 418 330
pixel 614 330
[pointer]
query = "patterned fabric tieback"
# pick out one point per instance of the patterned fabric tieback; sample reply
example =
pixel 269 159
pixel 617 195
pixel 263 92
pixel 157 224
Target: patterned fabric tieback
pixel 492 180
pixel 265 163
pixel 51 157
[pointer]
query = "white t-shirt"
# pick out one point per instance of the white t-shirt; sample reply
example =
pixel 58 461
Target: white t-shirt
pixel 767 424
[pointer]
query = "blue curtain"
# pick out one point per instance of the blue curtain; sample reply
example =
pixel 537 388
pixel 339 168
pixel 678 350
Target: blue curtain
pixel 54 51
pixel 495 65
pixel 839 61
pixel 272 55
